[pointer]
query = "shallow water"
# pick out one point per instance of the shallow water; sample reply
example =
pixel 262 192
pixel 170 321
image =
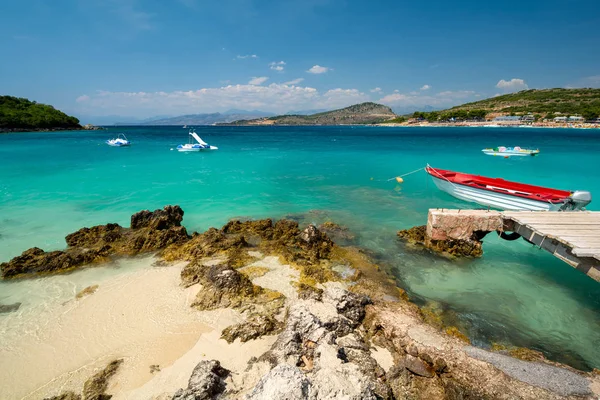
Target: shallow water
pixel 52 184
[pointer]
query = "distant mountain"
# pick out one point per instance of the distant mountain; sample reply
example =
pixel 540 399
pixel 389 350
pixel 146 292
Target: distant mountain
pixel 19 114
pixel 307 112
pixel 364 113
pixel 207 119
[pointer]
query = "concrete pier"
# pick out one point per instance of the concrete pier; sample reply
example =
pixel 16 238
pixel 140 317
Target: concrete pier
pixel 573 237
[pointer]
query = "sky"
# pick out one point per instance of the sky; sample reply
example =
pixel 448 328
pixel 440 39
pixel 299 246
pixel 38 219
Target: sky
pixel 143 58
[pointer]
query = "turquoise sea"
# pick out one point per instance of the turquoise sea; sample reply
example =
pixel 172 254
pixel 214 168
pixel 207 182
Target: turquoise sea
pixel 54 183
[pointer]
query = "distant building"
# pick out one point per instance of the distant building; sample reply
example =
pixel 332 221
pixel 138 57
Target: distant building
pixel 507 118
pixel 528 118
pixel 576 118
pixel 560 119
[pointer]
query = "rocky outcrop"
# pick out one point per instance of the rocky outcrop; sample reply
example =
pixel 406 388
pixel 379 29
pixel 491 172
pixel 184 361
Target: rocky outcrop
pixel 207 382
pixel 282 382
pixel 456 248
pixel 7 308
pixel 341 235
pixel 95 387
pixel 150 231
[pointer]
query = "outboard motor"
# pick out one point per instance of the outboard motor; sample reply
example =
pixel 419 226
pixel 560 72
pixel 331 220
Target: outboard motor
pixel 577 201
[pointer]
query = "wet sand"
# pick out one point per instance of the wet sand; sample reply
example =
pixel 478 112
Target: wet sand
pixel 139 313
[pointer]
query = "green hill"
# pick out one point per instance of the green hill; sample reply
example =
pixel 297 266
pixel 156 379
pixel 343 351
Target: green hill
pixel 18 114
pixel 364 113
pixel 546 102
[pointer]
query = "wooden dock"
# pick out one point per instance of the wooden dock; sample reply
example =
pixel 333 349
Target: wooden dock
pixel 573 237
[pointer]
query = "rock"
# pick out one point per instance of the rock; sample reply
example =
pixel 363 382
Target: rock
pixel 151 231
pixel 65 396
pixel 262 228
pixel 457 248
pixel 94 388
pixel 284 382
pixel 339 234
pixel 224 286
pixel 350 305
pixel 87 291
pixel 207 382
pixel 89 237
pixel 208 244
pixel 168 217
pixel 7 308
pixel 308 292
pixel 35 260
pixel 254 327
pixel 418 366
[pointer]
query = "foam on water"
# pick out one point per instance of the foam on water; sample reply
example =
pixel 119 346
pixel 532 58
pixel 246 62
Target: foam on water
pixel 52 184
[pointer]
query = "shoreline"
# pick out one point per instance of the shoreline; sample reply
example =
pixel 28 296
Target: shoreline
pixel 285 278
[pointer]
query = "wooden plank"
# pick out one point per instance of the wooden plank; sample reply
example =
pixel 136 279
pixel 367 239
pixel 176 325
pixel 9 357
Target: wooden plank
pixel 573 233
pixel 576 226
pixel 587 251
pixel 557 219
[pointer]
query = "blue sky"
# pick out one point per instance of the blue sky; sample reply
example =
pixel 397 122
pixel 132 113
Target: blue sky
pixel 142 58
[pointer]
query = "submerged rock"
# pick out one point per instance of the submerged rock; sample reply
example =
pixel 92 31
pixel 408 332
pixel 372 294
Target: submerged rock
pixel 338 233
pixel 207 382
pixel 87 291
pixel 7 308
pixel 94 388
pixel 150 231
pixel 65 396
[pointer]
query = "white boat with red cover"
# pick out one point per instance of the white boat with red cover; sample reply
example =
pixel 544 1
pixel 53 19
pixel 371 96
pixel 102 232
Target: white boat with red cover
pixel 506 195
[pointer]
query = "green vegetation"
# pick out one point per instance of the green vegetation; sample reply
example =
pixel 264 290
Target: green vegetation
pixel 398 120
pixel 542 102
pixel 459 115
pixel 364 113
pixel 22 114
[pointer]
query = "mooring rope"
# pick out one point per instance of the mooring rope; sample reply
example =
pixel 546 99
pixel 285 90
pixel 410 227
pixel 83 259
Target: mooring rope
pixel 409 173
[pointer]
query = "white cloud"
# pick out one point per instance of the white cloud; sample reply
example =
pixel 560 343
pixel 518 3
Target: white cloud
pixel 294 81
pixel 513 85
pixel 258 80
pixel 277 98
pixel 396 91
pixel 277 66
pixel 419 99
pixel 317 69
pixel 425 87
pixel 82 99
pixel 376 90
pixel 246 56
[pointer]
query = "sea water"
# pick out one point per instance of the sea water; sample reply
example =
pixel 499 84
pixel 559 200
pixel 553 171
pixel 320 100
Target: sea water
pixel 54 183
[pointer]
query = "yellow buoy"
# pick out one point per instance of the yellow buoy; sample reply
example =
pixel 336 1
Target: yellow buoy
pixel 399 180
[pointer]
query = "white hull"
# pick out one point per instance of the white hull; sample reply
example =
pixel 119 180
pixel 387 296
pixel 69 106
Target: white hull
pixel 507 154
pixel 493 199
pixel 195 149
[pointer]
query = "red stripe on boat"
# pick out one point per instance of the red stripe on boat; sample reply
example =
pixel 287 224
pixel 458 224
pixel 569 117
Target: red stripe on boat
pixel 499 185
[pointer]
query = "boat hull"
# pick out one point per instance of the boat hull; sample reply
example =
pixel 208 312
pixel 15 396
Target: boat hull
pixel 508 154
pixel 493 199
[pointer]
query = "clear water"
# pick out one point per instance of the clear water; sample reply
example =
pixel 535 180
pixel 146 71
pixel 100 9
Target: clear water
pixel 52 184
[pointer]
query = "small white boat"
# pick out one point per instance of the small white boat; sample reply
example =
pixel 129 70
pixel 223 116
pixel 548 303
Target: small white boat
pixel 505 195
pixel 510 151
pixel 200 144
pixel 120 141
